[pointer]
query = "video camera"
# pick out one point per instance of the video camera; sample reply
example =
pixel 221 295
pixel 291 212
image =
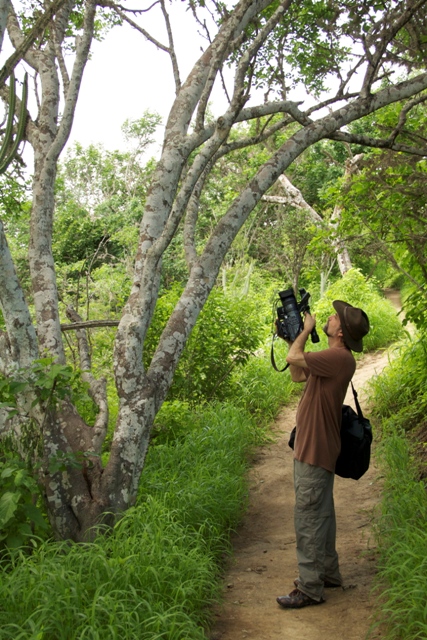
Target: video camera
pixel 290 320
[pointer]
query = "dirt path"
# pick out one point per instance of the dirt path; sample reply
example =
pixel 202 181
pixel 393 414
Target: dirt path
pixel 264 563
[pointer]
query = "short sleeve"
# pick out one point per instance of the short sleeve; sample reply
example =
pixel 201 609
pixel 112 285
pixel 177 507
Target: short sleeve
pixel 324 364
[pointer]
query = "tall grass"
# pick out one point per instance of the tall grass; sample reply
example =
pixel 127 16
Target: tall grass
pixel 402 544
pixel 156 574
pixel 400 400
pixel 262 390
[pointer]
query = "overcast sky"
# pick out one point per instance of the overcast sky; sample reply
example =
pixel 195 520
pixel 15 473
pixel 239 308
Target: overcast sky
pixel 127 75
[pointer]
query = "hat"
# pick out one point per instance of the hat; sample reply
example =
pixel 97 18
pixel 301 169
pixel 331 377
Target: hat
pixel 354 324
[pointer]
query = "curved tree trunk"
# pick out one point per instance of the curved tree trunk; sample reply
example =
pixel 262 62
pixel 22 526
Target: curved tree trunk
pixel 80 492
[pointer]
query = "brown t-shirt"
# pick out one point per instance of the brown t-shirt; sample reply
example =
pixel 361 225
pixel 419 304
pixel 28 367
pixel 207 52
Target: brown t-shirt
pixel 319 412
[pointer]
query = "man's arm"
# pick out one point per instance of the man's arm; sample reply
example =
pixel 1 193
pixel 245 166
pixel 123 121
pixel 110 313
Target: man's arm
pixel 297 374
pixel 295 359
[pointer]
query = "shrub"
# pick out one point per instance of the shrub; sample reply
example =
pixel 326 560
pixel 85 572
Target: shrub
pixel 353 288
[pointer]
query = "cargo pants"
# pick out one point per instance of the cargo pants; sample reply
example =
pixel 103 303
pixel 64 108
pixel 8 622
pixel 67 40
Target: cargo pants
pixel 315 529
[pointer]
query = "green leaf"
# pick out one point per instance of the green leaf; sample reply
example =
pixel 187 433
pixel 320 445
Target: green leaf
pixel 7 472
pixel 15 540
pixel 35 515
pixel 20 477
pixel 8 505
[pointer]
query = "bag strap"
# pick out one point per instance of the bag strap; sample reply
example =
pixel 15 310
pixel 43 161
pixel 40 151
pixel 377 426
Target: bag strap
pixel 356 402
pixel 273 362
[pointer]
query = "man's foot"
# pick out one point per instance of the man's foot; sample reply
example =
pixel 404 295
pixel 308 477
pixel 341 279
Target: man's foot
pixel 297 599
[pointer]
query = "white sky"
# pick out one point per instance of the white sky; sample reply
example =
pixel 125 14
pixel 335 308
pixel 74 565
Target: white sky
pixel 127 75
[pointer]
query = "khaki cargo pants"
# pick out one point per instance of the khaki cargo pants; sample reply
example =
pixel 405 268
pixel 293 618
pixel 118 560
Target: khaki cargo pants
pixel 315 529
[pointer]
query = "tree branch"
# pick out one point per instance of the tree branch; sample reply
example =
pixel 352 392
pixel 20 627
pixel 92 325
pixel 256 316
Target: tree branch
pixel 97 388
pixel 27 42
pixel 82 54
pixel 171 50
pixel 378 143
pixel 89 324
pixel 20 344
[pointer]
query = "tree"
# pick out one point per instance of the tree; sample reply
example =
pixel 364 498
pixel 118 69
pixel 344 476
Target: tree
pixel 358 47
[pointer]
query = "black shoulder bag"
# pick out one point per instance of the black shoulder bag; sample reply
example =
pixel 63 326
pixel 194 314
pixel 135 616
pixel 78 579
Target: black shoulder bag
pixel 356 439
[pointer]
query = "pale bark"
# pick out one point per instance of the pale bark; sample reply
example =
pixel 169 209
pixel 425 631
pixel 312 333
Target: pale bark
pixel 343 256
pixel 294 198
pixel 79 496
pixel 68 494
pixel 19 342
pixel 4 10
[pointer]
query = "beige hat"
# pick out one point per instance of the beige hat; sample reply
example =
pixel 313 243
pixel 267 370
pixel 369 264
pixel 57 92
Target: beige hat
pixel 354 324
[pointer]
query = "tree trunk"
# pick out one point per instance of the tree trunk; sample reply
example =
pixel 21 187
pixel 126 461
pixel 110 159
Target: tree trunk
pixel 80 493
pixel 295 199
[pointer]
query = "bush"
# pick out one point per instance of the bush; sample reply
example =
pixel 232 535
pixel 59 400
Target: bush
pixel 21 515
pixel 353 288
pixel 228 330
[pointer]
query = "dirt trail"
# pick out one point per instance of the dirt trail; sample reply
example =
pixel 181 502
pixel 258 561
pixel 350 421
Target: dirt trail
pixel 264 562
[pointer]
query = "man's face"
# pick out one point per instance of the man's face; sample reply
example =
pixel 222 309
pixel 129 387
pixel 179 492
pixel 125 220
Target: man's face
pixel 332 326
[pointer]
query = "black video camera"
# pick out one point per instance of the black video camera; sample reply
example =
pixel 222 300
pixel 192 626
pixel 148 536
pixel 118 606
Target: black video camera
pixel 290 321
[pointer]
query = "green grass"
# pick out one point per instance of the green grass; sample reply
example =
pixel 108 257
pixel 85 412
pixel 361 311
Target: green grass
pixel 260 389
pixel 158 573
pixel 400 400
pixel 401 534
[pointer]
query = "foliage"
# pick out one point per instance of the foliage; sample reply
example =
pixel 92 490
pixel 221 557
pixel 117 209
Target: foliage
pixel 402 543
pixel 400 392
pixel 400 403
pixel 229 329
pixel 353 288
pixel 261 389
pixel 21 515
pixel 157 573
pixel 317 169
pixel 49 381
pixel 384 206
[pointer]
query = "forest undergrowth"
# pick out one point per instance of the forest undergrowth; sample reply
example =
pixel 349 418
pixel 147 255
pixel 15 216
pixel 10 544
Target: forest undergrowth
pixel 399 406
pixel 158 572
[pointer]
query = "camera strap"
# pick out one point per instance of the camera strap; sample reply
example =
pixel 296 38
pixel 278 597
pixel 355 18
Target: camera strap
pixel 273 362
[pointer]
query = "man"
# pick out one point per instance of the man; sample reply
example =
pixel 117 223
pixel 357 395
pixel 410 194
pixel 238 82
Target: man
pixel 317 445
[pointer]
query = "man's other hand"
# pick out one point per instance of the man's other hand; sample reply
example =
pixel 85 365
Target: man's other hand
pixel 309 322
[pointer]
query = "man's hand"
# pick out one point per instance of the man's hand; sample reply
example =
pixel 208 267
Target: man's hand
pixel 309 322
pixel 296 352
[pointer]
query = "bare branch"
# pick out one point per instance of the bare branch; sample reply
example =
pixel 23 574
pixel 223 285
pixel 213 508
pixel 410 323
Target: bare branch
pixel 378 143
pixel 97 388
pixel 171 49
pixel 89 324
pixel 122 13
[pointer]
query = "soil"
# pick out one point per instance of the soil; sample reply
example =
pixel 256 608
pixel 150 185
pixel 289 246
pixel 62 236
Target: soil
pixel 263 564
